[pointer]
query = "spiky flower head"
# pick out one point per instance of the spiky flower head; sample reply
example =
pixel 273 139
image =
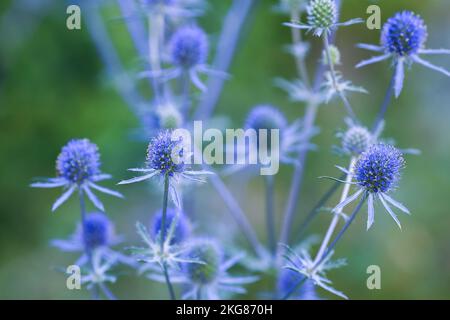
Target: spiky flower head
pixel 210 255
pixel 356 140
pixel 161 152
pixel 168 116
pixel 378 168
pixel 189 47
pixel 404 34
pixel 335 56
pixel 78 161
pixel 322 13
pixel 181 230
pixel 97 230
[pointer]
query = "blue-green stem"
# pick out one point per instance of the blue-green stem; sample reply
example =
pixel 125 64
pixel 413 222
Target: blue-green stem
pixel 385 104
pixel 94 290
pixel 344 99
pixel 163 235
pixel 270 215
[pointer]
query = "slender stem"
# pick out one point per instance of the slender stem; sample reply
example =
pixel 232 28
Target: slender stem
pixel 316 209
pixel 336 216
pixel 237 213
pixel 163 235
pixel 296 41
pixel 185 92
pixel 234 21
pixel 106 291
pixel 295 288
pixel 343 230
pixel 270 216
pixel 164 211
pixel 155 34
pixel 169 284
pixel 385 104
pixel 88 252
pixel 309 119
pixel 294 193
pixel 344 99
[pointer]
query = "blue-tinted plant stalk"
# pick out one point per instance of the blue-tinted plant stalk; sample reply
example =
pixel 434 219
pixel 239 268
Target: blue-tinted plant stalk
pixel 385 104
pixel 94 290
pixel 337 214
pixel 103 287
pixel 296 41
pixel 231 30
pixel 163 235
pixel 309 119
pixel 344 99
pixel 185 93
pixel 155 38
pixel 270 216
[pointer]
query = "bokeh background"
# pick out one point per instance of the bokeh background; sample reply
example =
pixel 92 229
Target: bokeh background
pixel 53 87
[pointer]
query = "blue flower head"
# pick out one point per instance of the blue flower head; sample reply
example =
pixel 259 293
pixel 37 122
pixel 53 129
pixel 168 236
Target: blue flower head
pixel 181 230
pixel 97 230
pixel 160 153
pixel 78 161
pixel 403 40
pixel 356 140
pixel 404 34
pixel 167 156
pixel 376 172
pixel 78 167
pixel 189 47
pixel 378 169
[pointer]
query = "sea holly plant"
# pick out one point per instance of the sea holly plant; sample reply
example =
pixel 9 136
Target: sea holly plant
pixel 176 50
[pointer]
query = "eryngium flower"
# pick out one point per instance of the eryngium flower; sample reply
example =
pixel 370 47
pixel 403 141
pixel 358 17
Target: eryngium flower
pixel 403 39
pixel 189 47
pixel 98 235
pixel 322 17
pixel 182 227
pixel 377 172
pixel 166 157
pixel 78 167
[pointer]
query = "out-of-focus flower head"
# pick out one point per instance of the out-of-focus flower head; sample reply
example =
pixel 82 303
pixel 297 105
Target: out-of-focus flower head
pixel 97 234
pixel 182 228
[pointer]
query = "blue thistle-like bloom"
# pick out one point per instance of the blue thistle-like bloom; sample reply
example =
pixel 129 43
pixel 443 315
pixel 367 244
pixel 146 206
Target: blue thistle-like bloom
pixel 97 234
pixel 378 169
pixel 287 281
pixel 182 228
pixel 266 117
pixel 78 167
pixel 189 47
pixel 404 34
pixel 205 273
pixel 376 173
pixel 167 157
pixel 78 161
pixel 322 16
pixel 403 39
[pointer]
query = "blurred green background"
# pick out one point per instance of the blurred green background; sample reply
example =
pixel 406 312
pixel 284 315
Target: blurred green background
pixel 53 88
